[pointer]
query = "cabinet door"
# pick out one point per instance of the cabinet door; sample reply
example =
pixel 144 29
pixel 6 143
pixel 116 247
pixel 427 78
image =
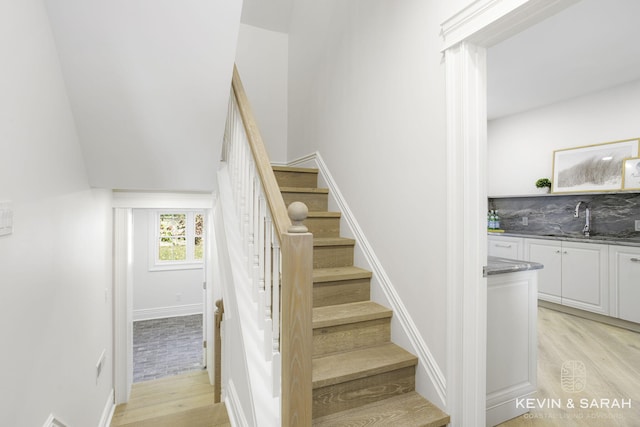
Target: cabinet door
pixel 548 253
pixel 625 282
pixel 585 276
pixel 505 247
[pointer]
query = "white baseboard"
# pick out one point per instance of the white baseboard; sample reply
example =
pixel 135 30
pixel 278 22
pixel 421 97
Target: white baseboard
pixel 427 361
pixel 52 421
pixel 107 413
pixel 234 406
pixel 162 312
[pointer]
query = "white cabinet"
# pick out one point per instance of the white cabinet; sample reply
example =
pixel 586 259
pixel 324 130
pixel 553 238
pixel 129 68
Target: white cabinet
pixel 506 247
pixel 575 274
pixel 624 262
pixel 512 345
pixel 549 254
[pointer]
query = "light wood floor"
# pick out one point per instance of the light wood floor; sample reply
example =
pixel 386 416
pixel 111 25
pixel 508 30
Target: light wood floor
pixel 180 401
pixel 612 359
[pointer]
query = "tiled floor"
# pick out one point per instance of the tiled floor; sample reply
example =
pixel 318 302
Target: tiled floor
pixel 166 347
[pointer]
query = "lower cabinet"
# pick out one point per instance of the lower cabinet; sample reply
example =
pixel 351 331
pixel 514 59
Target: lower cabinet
pixel 624 280
pixel 512 345
pixel 575 274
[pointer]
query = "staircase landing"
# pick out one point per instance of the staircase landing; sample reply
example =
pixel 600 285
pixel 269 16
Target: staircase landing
pixel 178 401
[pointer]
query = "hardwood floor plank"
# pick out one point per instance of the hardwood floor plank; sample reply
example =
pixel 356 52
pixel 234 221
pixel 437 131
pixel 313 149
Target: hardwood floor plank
pixel 611 357
pixel 183 400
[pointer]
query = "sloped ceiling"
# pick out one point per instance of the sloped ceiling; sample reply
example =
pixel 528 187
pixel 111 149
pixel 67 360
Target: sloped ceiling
pixel 148 81
pixel 274 15
pixel 590 46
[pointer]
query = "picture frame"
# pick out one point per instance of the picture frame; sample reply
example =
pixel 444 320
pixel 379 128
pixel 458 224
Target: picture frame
pixel 631 174
pixel 592 168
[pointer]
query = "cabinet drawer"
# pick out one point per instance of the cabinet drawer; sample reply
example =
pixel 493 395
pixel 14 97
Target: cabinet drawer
pixel 506 247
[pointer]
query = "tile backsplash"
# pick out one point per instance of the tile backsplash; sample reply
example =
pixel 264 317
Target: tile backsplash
pixel 612 214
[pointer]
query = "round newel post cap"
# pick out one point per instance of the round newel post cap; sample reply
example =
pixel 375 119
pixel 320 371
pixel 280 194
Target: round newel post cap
pixel 298 212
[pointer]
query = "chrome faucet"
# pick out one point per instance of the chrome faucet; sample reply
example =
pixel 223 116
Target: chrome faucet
pixel 587 220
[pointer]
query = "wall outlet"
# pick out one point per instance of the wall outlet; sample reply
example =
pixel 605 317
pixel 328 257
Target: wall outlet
pixel 525 220
pixel 637 224
pixel 178 297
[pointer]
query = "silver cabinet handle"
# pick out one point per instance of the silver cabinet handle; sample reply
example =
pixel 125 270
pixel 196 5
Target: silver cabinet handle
pixel 635 259
pixel 558 251
pixel 502 246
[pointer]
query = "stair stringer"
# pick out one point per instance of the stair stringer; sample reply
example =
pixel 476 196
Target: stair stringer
pixel 404 330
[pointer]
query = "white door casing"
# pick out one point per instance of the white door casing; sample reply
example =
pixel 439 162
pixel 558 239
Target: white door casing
pixel 123 204
pixel 467 35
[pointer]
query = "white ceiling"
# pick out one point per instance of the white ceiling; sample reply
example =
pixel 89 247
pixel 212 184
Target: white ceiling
pixel 588 47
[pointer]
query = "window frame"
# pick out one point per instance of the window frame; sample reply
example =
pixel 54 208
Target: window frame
pixel 190 263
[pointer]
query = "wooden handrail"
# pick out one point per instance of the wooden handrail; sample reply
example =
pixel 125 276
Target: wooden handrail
pixel 269 183
pixel 289 289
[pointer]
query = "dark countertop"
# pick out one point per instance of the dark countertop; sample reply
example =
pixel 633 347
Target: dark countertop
pixel 605 240
pixel 497 265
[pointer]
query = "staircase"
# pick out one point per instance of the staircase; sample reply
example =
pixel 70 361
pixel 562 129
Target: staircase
pixel 359 376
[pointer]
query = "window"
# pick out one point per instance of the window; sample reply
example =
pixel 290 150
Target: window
pixel 177 240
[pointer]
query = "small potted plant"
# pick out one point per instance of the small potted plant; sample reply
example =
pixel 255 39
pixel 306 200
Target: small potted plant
pixel 544 184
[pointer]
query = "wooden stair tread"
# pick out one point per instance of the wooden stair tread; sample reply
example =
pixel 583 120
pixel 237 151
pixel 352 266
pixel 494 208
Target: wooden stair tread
pixel 294 169
pixel 333 274
pixel 333 241
pixel 342 314
pixel 304 190
pixel 350 365
pixel 406 410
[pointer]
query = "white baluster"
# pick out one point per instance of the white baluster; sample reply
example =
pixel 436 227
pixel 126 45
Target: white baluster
pixel 260 252
pixel 275 302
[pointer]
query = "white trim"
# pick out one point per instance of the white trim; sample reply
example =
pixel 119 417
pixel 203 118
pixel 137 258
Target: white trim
pixel 122 304
pixel 107 412
pixel 161 200
pixel 164 312
pixel 466 234
pixel 234 406
pixel 487 22
pixel 400 312
pixel 52 421
pixel 465 37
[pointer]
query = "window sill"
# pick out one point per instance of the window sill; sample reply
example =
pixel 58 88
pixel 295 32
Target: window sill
pixel 177 266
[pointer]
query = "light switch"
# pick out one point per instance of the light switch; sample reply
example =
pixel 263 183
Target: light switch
pixel 6 218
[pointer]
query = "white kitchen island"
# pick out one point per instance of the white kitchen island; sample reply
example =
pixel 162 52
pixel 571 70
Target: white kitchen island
pixel 512 352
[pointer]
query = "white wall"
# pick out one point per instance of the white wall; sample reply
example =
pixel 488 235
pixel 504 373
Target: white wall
pixel 367 90
pixel 148 80
pixel 262 60
pixel 159 294
pixel 55 269
pixel 520 147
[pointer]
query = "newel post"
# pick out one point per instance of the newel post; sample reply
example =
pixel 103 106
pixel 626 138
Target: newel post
pixel 296 338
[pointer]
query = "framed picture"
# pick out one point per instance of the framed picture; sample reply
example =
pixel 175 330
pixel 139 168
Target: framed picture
pixel 631 174
pixel 592 167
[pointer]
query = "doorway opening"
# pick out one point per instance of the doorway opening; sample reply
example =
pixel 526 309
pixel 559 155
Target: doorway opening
pixel 168 301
